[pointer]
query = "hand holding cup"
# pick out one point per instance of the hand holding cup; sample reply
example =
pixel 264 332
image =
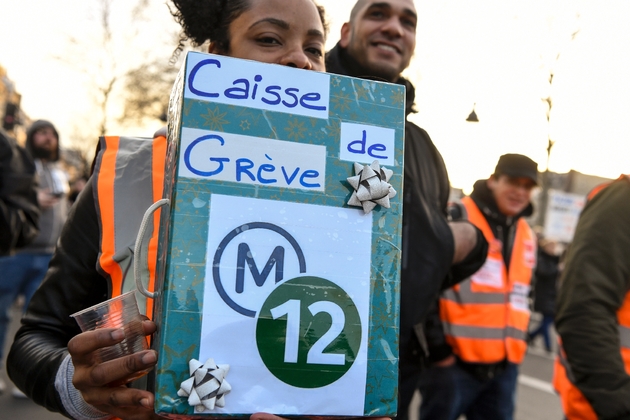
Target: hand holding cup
pixel 111 352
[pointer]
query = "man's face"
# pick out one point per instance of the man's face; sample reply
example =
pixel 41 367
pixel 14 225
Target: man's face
pixel 382 37
pixel 512 194
pixel 45 143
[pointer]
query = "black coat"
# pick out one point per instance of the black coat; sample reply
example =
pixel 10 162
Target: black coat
pixel 546 275
pixel 19 210
pixel 427 241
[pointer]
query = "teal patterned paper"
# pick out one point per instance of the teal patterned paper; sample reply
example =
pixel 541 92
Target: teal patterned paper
pixel 316 128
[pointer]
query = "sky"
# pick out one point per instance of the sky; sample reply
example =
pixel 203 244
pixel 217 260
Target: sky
pixel 495 55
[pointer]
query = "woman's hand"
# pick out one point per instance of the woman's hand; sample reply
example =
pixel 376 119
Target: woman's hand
pixel 92 378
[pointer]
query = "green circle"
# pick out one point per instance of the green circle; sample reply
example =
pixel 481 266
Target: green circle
pixel 315 352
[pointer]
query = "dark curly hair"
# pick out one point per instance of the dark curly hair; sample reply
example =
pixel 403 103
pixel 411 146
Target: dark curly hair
pixel 210 20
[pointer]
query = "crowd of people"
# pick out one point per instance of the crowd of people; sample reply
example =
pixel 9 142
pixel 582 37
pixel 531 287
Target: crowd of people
pixel 467 269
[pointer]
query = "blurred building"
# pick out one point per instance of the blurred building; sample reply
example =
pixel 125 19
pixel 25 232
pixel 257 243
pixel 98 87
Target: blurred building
pixel 14 120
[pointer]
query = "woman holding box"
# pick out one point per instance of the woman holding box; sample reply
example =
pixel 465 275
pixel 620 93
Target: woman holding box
pixel 51 360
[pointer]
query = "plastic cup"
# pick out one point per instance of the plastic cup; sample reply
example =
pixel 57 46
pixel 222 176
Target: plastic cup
pixel 119 312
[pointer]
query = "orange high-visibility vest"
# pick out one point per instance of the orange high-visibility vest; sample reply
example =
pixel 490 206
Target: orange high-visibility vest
pixel 128 179
pixel 574 405
pixel 486 316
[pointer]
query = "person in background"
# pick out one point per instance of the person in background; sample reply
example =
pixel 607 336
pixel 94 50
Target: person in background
pixel 19 216
pixel 19 210
pixel 593 310
pixel 23 272
pixel 480 337
pixel 50 359
pixel 378 42
pixel 545 280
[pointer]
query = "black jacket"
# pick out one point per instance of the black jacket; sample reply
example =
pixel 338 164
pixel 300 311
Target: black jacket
pixel 593 287
pixel 544 284
pixel 19 210
pixel 427 240
pixel 72 283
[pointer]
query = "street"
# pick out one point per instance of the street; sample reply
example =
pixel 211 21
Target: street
pixel 535 400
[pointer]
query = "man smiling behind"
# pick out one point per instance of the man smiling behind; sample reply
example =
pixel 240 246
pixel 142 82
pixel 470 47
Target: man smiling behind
pixel 378 43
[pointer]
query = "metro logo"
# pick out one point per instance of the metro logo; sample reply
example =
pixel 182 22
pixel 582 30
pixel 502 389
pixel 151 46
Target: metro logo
pixel 244 257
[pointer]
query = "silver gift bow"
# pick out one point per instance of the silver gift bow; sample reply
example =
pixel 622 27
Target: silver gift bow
pixel 206 386
pixel 371 186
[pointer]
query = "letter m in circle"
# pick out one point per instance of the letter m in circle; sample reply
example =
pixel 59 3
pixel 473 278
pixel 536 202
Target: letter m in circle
pixel 245 256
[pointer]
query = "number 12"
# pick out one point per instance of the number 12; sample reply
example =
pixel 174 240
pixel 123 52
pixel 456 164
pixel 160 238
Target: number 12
pixel 316 356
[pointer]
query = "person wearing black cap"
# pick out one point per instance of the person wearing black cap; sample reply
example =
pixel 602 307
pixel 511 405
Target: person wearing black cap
pixel 478 331
pixel 23 271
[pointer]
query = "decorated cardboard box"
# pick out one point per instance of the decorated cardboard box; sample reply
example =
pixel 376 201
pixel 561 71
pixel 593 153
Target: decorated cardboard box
pixel 281 255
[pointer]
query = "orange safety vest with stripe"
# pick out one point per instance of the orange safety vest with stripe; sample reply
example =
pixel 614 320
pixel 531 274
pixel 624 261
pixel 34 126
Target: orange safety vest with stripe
pixel 486 316
pixel 128 178
pixel 574 405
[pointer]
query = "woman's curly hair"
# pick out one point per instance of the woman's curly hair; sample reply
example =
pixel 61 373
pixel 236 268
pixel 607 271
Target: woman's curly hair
pixel 210 20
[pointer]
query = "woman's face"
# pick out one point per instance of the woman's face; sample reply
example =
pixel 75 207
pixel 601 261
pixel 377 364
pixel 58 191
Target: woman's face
pixel 287 32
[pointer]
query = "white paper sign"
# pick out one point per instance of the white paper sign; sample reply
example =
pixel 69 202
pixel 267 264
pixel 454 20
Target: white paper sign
pixel 563 212
pixel 251 160
pixel 490 274
pixel 519 297
pixel 274 88
pixel 367 143
pixel 256 248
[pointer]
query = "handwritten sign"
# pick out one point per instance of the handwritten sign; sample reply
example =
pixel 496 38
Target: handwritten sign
pixel 251 160
pixel 256 85
pixel 365 143
pixel 266 268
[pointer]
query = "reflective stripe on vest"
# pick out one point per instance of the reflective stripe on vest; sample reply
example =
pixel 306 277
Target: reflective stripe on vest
pixel 129 176
pixel 486 317
pixel 574 405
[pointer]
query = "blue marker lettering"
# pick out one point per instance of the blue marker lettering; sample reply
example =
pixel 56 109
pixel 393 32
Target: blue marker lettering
pixel 236 92
pixel 218 160
pixel 379 148
pixel 270 90
pixel 309 174
pixel 289 91
pixel 193 73
pixel 246 89
pixel 292 177
pixel 313 96
pixel 242 167
pixel 257 78
pixel 266 168
pixel 361 142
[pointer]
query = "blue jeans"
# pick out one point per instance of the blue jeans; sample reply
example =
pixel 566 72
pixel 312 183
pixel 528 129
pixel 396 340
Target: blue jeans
pixel 448 392
pixel 543 329
pixel 19 275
